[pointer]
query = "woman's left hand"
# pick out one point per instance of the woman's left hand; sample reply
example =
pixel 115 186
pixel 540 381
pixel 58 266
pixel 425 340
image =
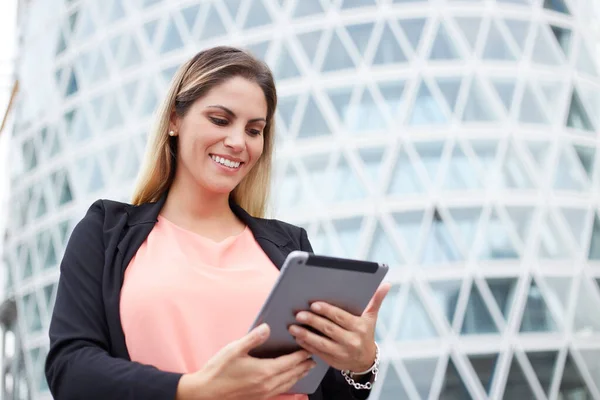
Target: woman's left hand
pixel 349 341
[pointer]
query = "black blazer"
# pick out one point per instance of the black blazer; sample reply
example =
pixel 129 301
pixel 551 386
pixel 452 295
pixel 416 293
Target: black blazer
pixel 88 357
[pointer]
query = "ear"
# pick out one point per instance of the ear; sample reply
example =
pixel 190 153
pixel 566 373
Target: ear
pixel 174 122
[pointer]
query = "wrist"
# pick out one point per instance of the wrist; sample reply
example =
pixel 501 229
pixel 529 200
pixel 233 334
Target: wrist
pixel 191 387
pixel 366 367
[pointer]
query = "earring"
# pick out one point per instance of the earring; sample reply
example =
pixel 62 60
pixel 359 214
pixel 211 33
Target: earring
pixel 171 133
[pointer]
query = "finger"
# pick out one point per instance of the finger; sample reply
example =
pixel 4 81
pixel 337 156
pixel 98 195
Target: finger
pixel 289 361
pixel 325 326
pixel 317 342
pixel 252 339
pixel 288 379
pixel 335 314
pixel 377 300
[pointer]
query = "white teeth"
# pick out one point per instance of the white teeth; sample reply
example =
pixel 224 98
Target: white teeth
pixel 226 162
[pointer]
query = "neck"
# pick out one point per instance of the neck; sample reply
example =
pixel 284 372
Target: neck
pixel 192 204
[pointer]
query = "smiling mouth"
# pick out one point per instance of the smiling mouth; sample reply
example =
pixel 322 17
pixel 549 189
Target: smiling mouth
pixel 226 163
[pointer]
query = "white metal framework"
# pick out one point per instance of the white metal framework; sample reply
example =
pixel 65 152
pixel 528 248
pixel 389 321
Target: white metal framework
pixel 455 140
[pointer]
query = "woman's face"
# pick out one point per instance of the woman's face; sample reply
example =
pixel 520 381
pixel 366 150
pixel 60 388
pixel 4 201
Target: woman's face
pixel 221 135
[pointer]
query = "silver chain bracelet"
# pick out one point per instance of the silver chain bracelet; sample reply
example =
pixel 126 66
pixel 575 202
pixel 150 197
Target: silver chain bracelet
pixel 374 370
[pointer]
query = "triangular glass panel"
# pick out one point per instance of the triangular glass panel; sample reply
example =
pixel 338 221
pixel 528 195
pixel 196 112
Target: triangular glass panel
pixel 392 387
pixel 478 104
pixel 168 73
pixel 553 93
pixel 259 50
pixel 117 12
pixel 348 187
pixel 497 245
pixel 405 179
pixel 517 385
pixel 72 85
pixel 466 220
pixel 569 173
pixel 496 47
pixel 536 315
pixel 388 309
pixel 310 43
pixel 413 30
pixel 129 163
pixel 484 366
pixel 50 259
pixel 440 246
pixel 321 242
pixel 360 34
pixel 96 181
pixel 446 295
pixel 286 108
pixel 556 5
pixel 42 208
pixel 357 3
pixel 313 123
pixel 172 39
pixel 389 50
pixel 563 38
pixel 576 219
pixel 553 244
pixel 430 154
pixel 101 70
pixel 50 295
pixel 65 196
pixel 86 26
pixel 477 319
pixel 426 109
pixel 531 110
pixel 366 116
pixel 62 44
pixel 28 264
pixel 585 63
pixel 190 15
pixel 470 27
pixel 590 358
pixel 392 92
pixel 289 193
pixel 340 98
pixel 349 235
pixel 115 45
pixel 317 167
pixel 559 288
pixel 132 54
pixel 382 250
pixel 285 67
pixel 415 323
pixel 409 226
pixel 257 15
pixel 539 152
pixel 81 129
pixel 305 8
pixel 215 27
pixel 544 50
pixel 578 117
pixel 461 173
pixel 521 218
pixel 450 87
pixel 422 372
pixel 337 57
pixel 150 29
pixel 573 384
pixel 114 117
pixel 443 48
pixel 453 385
pixel 519 30
pixel 594 252
pixel 372 159
pixel 586 320
pixel 233 8
pixel 544 364
pixel 149 100
pixel 514 175
pixel 504 292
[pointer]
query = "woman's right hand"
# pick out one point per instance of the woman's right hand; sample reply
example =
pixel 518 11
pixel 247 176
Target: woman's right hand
pixel 232 374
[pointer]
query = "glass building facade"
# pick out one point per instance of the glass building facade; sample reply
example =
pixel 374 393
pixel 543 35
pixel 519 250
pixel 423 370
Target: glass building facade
pixel 455 140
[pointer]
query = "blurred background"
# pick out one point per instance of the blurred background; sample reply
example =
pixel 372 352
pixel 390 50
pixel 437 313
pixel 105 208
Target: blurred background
pixel 455 140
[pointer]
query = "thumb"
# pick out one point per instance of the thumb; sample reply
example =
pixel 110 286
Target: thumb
pixel 254 338
pixel 377 300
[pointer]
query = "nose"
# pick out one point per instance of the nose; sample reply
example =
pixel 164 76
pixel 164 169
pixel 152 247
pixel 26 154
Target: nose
pixel 236 139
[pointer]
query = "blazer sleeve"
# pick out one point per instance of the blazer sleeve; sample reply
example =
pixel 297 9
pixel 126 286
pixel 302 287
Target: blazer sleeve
pixel 78 365
pixel 334 385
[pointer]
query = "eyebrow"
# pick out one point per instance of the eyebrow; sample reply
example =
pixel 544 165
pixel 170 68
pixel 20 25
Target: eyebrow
pixel 232 114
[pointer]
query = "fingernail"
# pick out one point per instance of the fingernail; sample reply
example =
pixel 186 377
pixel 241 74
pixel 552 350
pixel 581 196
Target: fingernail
pixel 316 307
pixel 301 317
pixel 294 330
pixel 262 330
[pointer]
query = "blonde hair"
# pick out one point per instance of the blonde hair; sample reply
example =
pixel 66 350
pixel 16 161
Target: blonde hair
pixel 193 80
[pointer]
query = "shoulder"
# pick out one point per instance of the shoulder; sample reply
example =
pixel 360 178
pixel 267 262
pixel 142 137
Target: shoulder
pixel 283 233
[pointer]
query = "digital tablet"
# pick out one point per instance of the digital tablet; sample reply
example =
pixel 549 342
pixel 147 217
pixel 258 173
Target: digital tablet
pixel 304 279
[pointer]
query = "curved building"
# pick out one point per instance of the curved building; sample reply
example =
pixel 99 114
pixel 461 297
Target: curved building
pixel 455 140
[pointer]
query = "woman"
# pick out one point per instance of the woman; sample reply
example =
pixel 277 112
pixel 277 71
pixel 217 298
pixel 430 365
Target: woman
pixel 155 298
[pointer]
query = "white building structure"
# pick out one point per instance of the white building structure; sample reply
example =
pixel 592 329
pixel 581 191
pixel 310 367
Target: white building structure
pixel 455 140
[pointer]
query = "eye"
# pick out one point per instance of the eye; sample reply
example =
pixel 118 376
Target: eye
pixel 254 132
pixel 219 121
